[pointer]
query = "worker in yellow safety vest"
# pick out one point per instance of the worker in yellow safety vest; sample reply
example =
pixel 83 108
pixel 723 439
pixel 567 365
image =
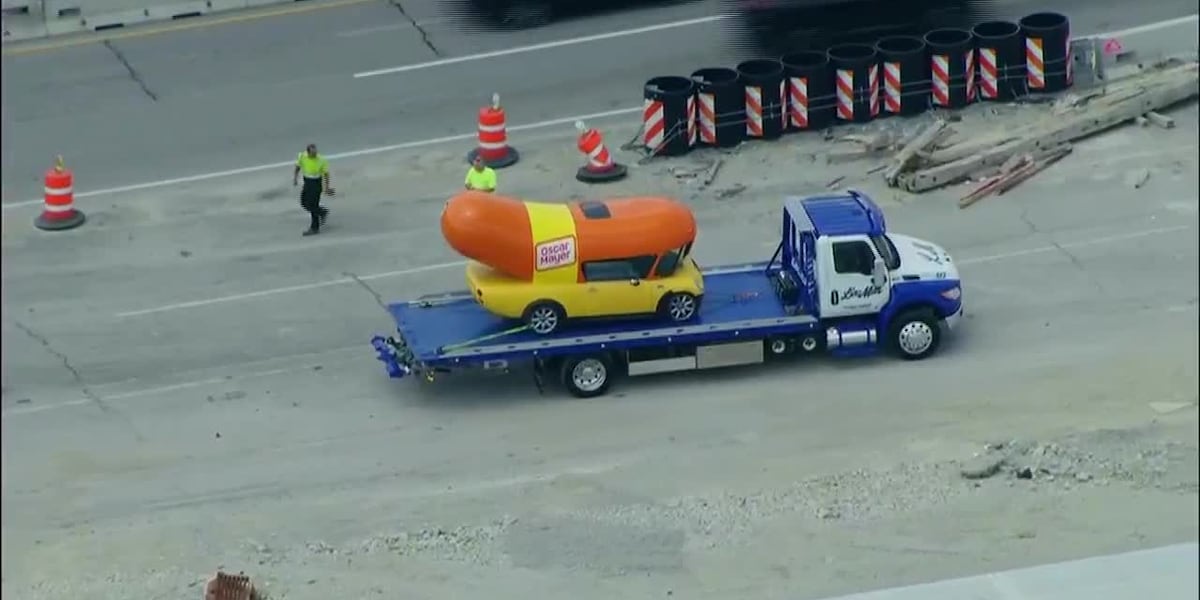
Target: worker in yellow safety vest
pixel 315 169
pixel 481 177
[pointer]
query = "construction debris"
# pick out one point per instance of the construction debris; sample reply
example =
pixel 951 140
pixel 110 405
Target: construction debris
pixel 1014 171
pixel 922 141
pixel 1007 158
pixel 991 184
pixel 224 586
pixel 1138 178
pixel 855 146
pixel 1161 120
pixel 711 173
pixel 875 142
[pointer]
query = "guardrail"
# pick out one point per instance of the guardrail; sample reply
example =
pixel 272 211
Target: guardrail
pixel 32 19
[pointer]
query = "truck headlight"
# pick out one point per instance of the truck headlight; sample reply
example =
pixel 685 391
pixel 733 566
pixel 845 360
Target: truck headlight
pixel 953 293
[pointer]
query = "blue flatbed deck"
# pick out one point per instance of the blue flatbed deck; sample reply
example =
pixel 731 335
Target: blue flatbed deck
pixel 442 331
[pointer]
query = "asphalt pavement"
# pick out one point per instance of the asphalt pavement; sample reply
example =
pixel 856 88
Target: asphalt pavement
pixel 233 95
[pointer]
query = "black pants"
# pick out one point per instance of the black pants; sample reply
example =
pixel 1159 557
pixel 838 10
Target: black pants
pixel 310 200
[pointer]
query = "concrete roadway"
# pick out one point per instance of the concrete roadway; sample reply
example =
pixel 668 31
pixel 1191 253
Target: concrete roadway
pixel 253 92
pixel 184 387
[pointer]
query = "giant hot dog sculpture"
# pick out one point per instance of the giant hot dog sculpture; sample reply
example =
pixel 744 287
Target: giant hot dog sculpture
pixel 533 240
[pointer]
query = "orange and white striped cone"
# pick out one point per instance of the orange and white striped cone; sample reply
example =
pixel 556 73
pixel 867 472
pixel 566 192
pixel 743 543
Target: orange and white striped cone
pixel 600 166
pixel 59 211
pixel 493 145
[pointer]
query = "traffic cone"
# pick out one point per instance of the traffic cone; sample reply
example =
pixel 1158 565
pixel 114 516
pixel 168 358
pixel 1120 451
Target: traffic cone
pixel 493 138
pixel 58 212
pixel 600 167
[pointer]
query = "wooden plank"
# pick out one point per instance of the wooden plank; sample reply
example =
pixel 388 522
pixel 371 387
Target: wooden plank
pixel 1089 121
pixel 1014 163
pixel 909 151
pixel 1034 169
pixel 1160 119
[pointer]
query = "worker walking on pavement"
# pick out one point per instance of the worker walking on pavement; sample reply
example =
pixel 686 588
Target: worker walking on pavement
pixel 481 177
pixel 315 169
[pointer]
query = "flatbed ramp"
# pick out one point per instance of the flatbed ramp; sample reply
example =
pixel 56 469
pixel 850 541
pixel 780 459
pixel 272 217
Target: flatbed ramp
pixel 1166 573
pixel 441 328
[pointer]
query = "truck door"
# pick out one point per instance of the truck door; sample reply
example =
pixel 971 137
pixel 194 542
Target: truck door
pixel 853 279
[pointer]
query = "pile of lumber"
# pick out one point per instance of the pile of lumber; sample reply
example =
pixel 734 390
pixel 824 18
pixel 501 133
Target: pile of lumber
pixel 935 157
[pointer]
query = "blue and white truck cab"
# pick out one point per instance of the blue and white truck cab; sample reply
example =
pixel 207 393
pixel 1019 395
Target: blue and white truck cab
pixel 838 282
pixel 837 261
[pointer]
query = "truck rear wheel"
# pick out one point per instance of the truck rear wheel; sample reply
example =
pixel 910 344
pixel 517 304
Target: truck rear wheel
pixel 587 376
pixel 915 334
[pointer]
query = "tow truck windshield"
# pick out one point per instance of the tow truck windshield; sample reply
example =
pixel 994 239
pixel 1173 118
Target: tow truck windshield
pixel 887 251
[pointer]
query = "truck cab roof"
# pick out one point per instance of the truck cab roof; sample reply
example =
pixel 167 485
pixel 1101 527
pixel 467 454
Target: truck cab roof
pixel 843 213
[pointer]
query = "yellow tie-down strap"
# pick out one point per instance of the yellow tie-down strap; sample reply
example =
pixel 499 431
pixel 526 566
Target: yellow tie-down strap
pixel 555 246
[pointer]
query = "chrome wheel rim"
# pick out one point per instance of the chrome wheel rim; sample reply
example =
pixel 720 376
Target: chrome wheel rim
pixel 681 307
pixel 589 375
pixel 543 319
pixel 915 337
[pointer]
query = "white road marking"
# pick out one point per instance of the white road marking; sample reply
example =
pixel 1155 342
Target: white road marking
pixel 285 290
pixel 309 365
pixel 29 410
pixel 543 46
pixel 150 391
pixel 326 358
pixel 465 136
pixel 446 265
pixel 338 155
pixel 1073 245
pixel 253 366
pixel 1148 27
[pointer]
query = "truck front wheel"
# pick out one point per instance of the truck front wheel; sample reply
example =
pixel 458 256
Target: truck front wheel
pixel 915 334
pixel 679 307
pixel 544 317
pixel 587 376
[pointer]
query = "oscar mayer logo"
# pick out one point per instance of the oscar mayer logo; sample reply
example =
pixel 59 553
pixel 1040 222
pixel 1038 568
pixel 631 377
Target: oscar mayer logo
pixel 555 253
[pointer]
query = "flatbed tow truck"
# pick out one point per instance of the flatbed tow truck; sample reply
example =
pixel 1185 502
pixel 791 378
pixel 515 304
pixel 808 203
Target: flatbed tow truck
pixel 838 282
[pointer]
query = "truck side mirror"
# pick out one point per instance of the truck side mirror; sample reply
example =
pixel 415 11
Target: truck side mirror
pixel 879 273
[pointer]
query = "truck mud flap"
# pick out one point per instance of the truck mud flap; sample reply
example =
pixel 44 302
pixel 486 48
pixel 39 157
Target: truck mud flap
pixel 387 355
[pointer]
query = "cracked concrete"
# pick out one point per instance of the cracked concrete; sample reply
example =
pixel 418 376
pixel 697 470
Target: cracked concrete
pixel 78 379
pixel 370 290
pixel 426 38
pixel 1078 264
pixel 66 363
pixel 1033 229
pixel 133 73
pixel 275 445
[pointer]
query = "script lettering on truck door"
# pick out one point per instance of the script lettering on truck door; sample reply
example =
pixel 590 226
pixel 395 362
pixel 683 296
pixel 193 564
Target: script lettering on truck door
pixel 854 293
pixel 555 253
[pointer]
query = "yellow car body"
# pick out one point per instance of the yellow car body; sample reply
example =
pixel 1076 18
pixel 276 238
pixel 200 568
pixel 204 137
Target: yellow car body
pixel 606 294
